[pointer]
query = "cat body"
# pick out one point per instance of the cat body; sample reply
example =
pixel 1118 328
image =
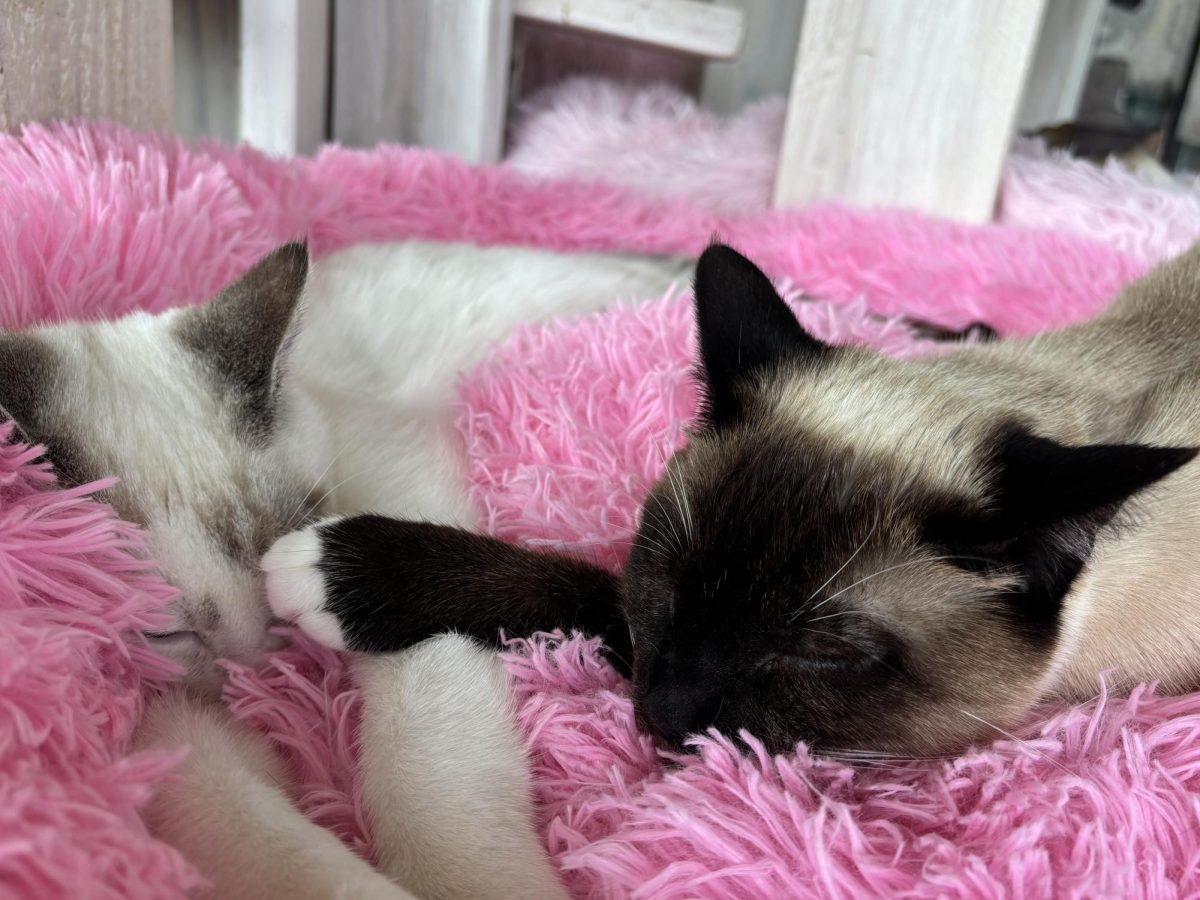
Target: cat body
pixel 290 395
pixel 859 552
pixel 1129 376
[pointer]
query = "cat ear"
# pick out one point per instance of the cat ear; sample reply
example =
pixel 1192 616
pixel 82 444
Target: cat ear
pixel 242 333
pixel 1048 503
pixel 27 365
pixel 31 376
pixel 1040 482
pixel 745 329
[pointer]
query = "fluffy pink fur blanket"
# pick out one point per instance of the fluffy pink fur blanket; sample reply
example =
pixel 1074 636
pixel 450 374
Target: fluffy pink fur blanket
pixel 564 427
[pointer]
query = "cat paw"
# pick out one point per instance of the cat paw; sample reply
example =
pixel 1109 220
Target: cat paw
pixel 296 586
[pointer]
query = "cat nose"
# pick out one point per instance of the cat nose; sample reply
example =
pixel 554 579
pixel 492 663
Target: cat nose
pixel 674 708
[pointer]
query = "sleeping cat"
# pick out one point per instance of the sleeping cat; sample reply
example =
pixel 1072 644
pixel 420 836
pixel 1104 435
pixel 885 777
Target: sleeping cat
pixel 288 395
pixel 854 551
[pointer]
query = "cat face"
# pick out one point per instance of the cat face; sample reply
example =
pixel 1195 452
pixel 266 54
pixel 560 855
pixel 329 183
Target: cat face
pixel 185 408
pixel 818 565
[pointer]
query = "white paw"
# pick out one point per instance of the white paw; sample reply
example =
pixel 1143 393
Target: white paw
pixel 296 587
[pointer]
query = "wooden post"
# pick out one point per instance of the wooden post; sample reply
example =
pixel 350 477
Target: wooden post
pixel 1054 86
pixel 427 72
pixel 107 59
pixel 906 103
pixel 284 80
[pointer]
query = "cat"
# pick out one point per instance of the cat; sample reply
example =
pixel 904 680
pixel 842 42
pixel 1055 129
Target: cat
pixel 1140 154
pixel 854 551
pixel 290 395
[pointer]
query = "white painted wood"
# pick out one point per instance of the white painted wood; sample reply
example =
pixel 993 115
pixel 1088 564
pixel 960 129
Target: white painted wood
pixel 63 59
pixel 284 74
pixel 906 103
pixel 686 26
pixel 1054 86
pixel 427 72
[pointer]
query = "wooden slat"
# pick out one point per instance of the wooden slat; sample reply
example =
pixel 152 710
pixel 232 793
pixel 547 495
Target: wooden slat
pixel 686 26
pixel 284 81
pixel 427 72
pixel 107 59
pixel 906 103
pixel 206 68
pixel 1060 63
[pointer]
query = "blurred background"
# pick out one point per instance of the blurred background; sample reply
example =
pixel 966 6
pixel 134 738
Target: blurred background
pixel 895 102
pixel 1118 71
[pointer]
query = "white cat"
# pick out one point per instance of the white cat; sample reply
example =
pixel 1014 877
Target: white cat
pixel 292 395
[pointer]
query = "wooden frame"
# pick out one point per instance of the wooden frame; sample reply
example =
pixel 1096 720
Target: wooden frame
pixel 906 103
pixel 685 26
pixel 108 59
pixel 284 80
pixel 423 72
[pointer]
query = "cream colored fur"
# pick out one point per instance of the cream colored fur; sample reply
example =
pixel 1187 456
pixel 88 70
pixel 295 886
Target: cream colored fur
pixel 385 332
pixel 1131 375
pixel 228 810
pixel 437 728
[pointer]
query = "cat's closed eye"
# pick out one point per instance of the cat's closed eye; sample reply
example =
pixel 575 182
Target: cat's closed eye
pixel 849 643
pixel 815 652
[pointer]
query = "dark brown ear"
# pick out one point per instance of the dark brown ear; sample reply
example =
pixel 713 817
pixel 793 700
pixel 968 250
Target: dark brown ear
pixel 1048 503
pixel 745 328
pixel 1040 482
pixel 27 365
pixel 30 372
pixel 242 333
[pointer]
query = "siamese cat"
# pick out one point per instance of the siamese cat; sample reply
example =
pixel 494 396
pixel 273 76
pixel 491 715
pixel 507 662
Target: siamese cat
pixel 854 551
pixel 1140 154
pixel 288 396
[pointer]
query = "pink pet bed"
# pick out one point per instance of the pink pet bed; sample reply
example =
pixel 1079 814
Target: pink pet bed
pixel 564 427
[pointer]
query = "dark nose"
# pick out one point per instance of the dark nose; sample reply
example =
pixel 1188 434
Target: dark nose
pixel 673 708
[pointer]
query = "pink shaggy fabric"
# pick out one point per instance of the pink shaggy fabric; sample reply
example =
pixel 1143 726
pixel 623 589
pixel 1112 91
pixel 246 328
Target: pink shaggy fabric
pixel 564 428
pixel 70 695
pixel 660 143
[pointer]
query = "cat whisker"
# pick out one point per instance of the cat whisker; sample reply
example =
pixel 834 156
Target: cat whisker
pixel 678 542
pixel 685 506
pixel 1023 744
pixel 884 755
pixel 291 520
pixel 656 547
pixel 680 493
pixel 884 571
pixel 851 612
pixel 864 763
pixel 348 478
pixel 849 560
pixel 657 539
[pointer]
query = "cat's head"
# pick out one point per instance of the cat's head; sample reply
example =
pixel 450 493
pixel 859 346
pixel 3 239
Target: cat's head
pixel 852 552
pixel 184 408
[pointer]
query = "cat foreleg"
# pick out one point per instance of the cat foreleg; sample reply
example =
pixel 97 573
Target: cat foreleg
pixel 227 811
pixel 445 776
